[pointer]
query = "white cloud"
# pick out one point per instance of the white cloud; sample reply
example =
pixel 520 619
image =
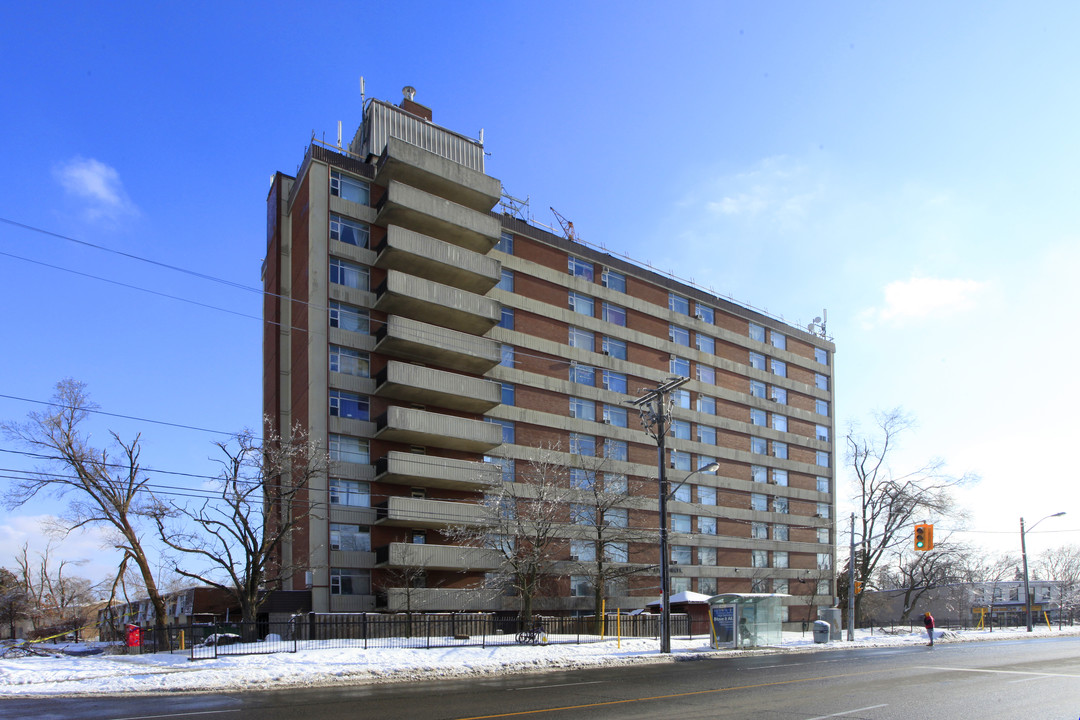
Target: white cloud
pixel 919 298
pixel 98 185
pixel 777 188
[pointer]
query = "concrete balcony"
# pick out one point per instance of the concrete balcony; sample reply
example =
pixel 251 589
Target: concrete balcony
pixel 426 257
pixel 436 557
pixel 414 297
pixel 422 513
pixel 426 386
pixel 352 603
pixel 420 427
pixel 437 175
pixel 435 216
pixel 402 468
pixel 442 599
pixel 414 340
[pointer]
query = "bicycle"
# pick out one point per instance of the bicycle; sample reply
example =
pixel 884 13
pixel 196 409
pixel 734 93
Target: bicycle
pixel 533 636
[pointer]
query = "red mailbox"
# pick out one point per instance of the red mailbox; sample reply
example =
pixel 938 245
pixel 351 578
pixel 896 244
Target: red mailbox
pixel 134 636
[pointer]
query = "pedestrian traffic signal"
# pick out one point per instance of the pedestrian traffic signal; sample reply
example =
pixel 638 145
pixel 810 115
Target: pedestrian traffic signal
pixel 924 537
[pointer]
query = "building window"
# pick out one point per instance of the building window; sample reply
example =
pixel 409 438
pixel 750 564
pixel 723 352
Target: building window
pixel 351 493
pixel 615 381
pixel 582 304
pixel 780 505
pixel 823 510
pixel 345 448
pixel 582 409
pixel 506 280
pixel 757 361
pixel 616 484
pixel 617 552
pixel 824 562
pixel 706 404
pixel 580 268
pixel 823 484
pixel 705 344
pixel 506 356
pixel 757 389
pixel 706 556
pixel 681 399
pixel 678 304
pixel 703 313
pixel 706 374
pixel 349 188
pixel 506 318
pixel 506 467
pixel 758 446
pixel 680 584
pixel 779 422
pixel 706 525
pixel 617 517
pixel 614 348
pixel 822 433
pixel 680 460
pixel 681 493
pixel 779 559
pixel 821 381
pixel 821 355
pixel 823 536
pixel 349 231
pixel 350 538
pixel 759 558
pixel 680 429
pixel 348 274
pixel 582 515
pixel 706 495
pixel 780 532
pixel 779 477
pixel 580 586
pixel 706 585
pixel 706 434
pixel 757 332
pixel 617 416
pixel 778 367
pixel 616 449
pixel 779 450
pixel 613 314
pixel 581 479
pixel 759 531
pixel 348 317
pixel 508 394
pixel 778 341
pixel 582 444
pixel 679 335
pixel 682 555
pixel 758 473
pixel 679 366
pixel 347 581
pixel 759 502
pixel 613 280
pixel 582 551
pixel 778 395
pixel 822 407
pixel 506 243
pixel 822 458
pixel 348 405
pixel 349 362
pixel 583 374
pixel 507 428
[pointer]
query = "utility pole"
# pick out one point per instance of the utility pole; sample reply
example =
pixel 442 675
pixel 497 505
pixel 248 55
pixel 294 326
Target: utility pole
pixel 851 586
pixel 655 410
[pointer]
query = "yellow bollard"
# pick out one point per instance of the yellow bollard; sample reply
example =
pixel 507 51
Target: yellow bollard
pixel 181 639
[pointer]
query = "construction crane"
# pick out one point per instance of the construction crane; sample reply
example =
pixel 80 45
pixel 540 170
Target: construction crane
pixel 566 225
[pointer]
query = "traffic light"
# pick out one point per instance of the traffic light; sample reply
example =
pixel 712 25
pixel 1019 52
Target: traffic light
pixel 858 586
pixel 924 537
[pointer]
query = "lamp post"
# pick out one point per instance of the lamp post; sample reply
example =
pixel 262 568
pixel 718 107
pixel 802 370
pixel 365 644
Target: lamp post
pixel 1023 554
pixel 655 409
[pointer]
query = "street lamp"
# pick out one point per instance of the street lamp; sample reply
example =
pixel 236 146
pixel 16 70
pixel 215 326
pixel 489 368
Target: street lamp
pixel 1023 554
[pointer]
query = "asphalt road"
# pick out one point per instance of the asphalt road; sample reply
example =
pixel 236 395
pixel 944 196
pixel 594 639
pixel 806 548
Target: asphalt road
pixel 1037 679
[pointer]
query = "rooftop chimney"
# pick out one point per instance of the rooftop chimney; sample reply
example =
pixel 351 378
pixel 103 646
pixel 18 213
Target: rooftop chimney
pixel 411 106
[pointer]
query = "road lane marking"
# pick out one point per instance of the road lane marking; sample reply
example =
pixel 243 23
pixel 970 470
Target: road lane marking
pixel 848 712
pixel 545 687
pixel 172 715
pixel 538 711
pixel 1005 672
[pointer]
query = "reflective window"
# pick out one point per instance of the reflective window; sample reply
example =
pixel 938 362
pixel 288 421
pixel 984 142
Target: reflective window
pixel 757 473
pixel 822 458
pixel 757 332
pixel 706 404
pixel 779 477
pixel 348 317
pixel 679 366
pixel 348 405
pixel 348 274
pixel 506 357
pixel 704 313
pixel 615 348
pixel 757 388
pixel 345 448
pixel 759 502
pixel 583 374
pixel 506 318
pixel 682 555
pixel 821 407
pixel 616 449
pixel 615 381
pixel 349 188
pixel 582 304
pixel 778 367
pixel 705 344
pixel 615 415
pixel 581 338
pixel 350 538
pixel 349 231
pixel 613 280
pixel 582 409
pixel 706 525
pixel 680 460
pixel 779 422
pixel 680 523
pixel 506 280
pixel 706 434
pixel 347 581
pixel 580 268
pixel 779 450
pixel 679 304
pixel 758 446
pixel 706 495
pixel 778 394
pixel 582 479
pixel 613 314
pixel 506 243
pixel 582 444
pixel 706 556
pixel 821 381
pixel 821 355
pixel 679 335
pixel 706 374
pixel 352 493
pixel 777 340
pixel 348 361
pixel 757 417
pixel 680 429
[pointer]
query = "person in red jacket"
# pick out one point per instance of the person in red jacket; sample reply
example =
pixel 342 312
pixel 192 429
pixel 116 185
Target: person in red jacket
pixel 928 621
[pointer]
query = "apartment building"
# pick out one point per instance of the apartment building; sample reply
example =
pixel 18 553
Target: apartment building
pixel 435 342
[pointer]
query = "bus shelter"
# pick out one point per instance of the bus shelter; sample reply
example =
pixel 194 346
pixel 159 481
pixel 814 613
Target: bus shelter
pixel 746 620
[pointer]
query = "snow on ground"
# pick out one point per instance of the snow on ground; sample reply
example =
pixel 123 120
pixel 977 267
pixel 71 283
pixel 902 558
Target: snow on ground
pixel 115 674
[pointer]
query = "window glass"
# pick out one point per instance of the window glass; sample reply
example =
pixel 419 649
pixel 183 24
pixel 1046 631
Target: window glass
pixel 682 555
pixel 345 448
pixel 580 268
pixel 706 495
pixel 759 558
pixel 704 313
pixel 615 415
pixel 581 338
pixel 506 318
pixel 347 581
pixel 822 458
pixel 823 536
pixel 615 483
pixel 780 532
pixel 508 394
pixel 506 243
pixel 824 562
pixel 778 341
pixel 707 585
pixel 758 446
pixel 352 493
pixel 757 361
pixel 613 314
pixel 580 586
pixel 779 422
pixel 779 559
pixel 506 357
pixel 682 493
pixel 583 374
pixel 350 538
pixel 615 381
pixel 706 434
pixel 679 335
pixel 617 517
pixel 506 466
pixel 706 404
pixel 348 274
pixel 759 531
pixel 616 449
pixel 780 505
pixel 582 514
pixel 679 304
pixel 821 355
pixel 613 280
pixel 681 398
pixel 680 429
pixel 821 407
pixel 757 388
pixel 759 501
pixel 506 280
pixel 823 484
pixel 706 525
pixel 778 394
pixel 757 417
pixel 779 477
pixel 582 444
pixel 778 367
pixel 349 188
pixel 757 332
pixel 582 409
pixel 615 348
pixel 822 433
pixel 348 317
pixel 757 473
pixel 679 366
pixel 507 428
pixel 779 450
pixel 617 552
pixel 582 551
pixel 706 374
pixel 823 510
pixel 706 556
pixel 705 344
pixel 348 231
pixel 348 361
pixel 680 460
pixel 582 304
pixel 348 405
pixel 581 479
pixel 821 381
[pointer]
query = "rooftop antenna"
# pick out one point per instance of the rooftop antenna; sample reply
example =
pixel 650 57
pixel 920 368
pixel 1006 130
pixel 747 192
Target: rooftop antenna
pixel 339 135
pixel 361 92
pixel 817 326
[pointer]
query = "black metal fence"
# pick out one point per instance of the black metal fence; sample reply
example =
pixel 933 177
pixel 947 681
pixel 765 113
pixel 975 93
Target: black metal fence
pixel 412 630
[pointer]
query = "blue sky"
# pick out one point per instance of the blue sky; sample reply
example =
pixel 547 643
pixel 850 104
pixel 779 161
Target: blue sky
pixel 909 167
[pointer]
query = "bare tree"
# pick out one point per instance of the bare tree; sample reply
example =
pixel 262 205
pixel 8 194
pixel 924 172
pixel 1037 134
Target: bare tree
pixel 55 597
pixel 14 600
pixel 1062 565
pixel 524 527
pixel 919 573
pixel 102 489
pixel 235 538
pixel 890 503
